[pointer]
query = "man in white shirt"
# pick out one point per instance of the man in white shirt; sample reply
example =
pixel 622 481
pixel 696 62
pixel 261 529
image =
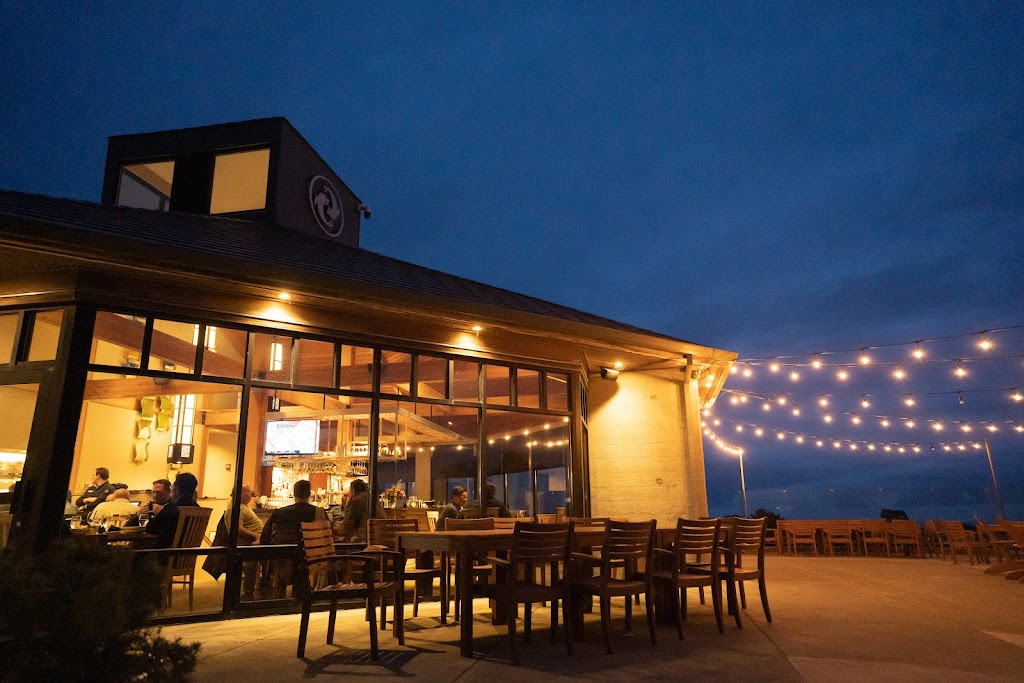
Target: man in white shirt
pixel 117 504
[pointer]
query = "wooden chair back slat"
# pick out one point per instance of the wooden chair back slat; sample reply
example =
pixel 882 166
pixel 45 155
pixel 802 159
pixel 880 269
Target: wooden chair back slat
pixel 476 524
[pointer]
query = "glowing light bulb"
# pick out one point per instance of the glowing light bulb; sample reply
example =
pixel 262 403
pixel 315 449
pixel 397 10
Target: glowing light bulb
pixel 836 444
pixel 871 446
pixel 918 351
pixel 898 373
pixel 1019 428
pixel 823 401
pixel 1017 396
pixel 842 375
pixel 901 449
pixel 819 443
pixel 985 344
pixel 816 362
pixel 766 407
pixel 992 428
pixel 780 436
pixel 965 428
pixel 910 424
pixel 781 400
pixel 773 366
pixel 743 399
pixel 977 446
pixel 917 449
pixel 909 400
pixel 747 372
pixel 855 420
pixel 887 449
pixel 739 428
pixel 959 372
pixel 864 359
pixel 717 422
pixel 947 447
pixel 937 426
pixel 799 439
pixel 827 418
pixel 734 369
pixel 885 423
pixel 796 411
pixel 961 447
pixel 794 376
pixel 853 446
pixel 758 432
pixel 734 400
pixel 864 403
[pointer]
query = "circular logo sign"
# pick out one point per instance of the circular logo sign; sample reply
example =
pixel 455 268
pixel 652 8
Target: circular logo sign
pixel 326 205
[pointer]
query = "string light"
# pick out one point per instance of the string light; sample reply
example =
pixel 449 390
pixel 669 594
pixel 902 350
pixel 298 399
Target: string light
pixel 773 366
pixel 865 403
pixel 815 362
pixel 1017 396
pixel 794 376
pixel 823 401
pixel 984 344
pixel 960 371
pixel 855 420
pixel 842 375
pixel 918 351
pixel 864 359
pixel 909 400
pixel 898 373
pixel 959 398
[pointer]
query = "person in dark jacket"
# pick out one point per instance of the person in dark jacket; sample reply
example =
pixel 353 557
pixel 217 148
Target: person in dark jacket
pixel 165 522
pixel 95 494
pixel 283 525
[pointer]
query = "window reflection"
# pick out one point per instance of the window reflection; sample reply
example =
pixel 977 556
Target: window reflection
pixel 146 186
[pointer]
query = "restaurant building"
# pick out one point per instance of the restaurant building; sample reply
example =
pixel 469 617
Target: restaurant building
pixel 215 314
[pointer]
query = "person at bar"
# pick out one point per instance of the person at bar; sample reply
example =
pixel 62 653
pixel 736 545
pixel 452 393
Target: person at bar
pixel 165 521
pixel 453 510
pixel 96 493
pixel 283 525
pixel 357 511
pixel 161 494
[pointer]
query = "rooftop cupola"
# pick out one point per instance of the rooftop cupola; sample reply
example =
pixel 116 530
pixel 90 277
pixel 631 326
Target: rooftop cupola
pixel 261 170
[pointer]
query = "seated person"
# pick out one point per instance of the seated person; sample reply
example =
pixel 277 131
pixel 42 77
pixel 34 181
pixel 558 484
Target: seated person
pixel 251 527
pixel 117 504
pixel 490 493
pixel 283 525
pixel 165 522
pixel 96 493
pixel 357 511
pixel 453 510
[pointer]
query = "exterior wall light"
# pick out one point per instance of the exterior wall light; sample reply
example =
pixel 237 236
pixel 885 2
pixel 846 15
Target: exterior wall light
pixel 609 374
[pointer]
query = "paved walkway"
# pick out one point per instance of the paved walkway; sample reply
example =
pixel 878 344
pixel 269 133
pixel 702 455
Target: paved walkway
pixel 834 619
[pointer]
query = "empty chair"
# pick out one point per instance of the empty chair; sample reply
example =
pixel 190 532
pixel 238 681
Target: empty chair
pixel 383 532
pixel 181 569
pixel 839 533
pixel 535 545
pixel 958 538
pixel 996 541
pixel 874 533
pixel 369 576
pixel 625 544
pixel 481 570
pixel 745 538
pixel 934 539
pixel 803 532
pixel 906 534
pixel 683 566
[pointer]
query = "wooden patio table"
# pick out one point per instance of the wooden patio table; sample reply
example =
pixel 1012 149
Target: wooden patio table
pixel 467 544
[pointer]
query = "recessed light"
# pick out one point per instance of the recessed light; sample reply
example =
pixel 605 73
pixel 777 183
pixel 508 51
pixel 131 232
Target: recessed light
pixel 284 296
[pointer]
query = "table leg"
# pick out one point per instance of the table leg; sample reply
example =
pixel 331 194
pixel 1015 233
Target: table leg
pixel 465 581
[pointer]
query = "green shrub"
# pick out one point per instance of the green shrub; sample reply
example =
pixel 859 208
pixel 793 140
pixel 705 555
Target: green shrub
pixel 78 611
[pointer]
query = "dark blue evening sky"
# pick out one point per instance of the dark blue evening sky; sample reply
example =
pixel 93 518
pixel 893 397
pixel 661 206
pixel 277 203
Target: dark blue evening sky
pixel 768 178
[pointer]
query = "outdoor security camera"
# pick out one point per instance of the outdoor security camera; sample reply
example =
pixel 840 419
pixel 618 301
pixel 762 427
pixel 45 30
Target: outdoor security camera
pixel 609 373
pixel 366 211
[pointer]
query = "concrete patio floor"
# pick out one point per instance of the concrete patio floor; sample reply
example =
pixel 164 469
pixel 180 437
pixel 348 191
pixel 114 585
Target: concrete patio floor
pixel 834 619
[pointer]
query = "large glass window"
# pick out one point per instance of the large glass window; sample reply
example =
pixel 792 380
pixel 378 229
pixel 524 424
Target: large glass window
pixel 272 358
pixel 395 373
pixel 138 431
pixel 497 385
pixel 17 406
pixel 356 368
pixel 315 366
pixel 146 186
pixel 8 330
pixel 527 388
pixel 431 377
pixel 224 352
pixel 466 381
pixel 173 348
pixel 240 181
pixel 527 457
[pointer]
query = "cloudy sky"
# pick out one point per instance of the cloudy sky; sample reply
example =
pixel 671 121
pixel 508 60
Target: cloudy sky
pixel 771 178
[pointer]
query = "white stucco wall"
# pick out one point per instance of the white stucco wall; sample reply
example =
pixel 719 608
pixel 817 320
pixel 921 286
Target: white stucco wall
pixel 646 453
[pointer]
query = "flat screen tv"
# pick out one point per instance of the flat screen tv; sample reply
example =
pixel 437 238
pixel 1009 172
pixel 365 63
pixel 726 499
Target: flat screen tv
pixel 293 437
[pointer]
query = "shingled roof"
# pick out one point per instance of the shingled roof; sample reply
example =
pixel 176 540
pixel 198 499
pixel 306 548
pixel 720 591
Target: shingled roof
pixel 264 243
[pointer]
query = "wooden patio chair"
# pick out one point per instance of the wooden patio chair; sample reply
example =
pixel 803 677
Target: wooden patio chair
pixel 934 540
pixel 383 533
pixel 481 570
pixel 535 545
pixel 745 537
pixel 803 532
pixel 996 541
pixel 906 534
pixel 838 532
pixel 683 566
pixel 369 576
pixel 959 538
pixel 874 533
pixel 181 569
pixel 625 544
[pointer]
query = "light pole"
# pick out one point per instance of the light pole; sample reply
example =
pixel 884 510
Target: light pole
pixel 743 486
pixel 995 483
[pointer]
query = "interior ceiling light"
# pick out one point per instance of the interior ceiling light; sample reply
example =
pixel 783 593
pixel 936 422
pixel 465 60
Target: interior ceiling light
pixel 284 296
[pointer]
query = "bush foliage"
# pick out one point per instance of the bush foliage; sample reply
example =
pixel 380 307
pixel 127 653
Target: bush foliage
pixel 79 611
